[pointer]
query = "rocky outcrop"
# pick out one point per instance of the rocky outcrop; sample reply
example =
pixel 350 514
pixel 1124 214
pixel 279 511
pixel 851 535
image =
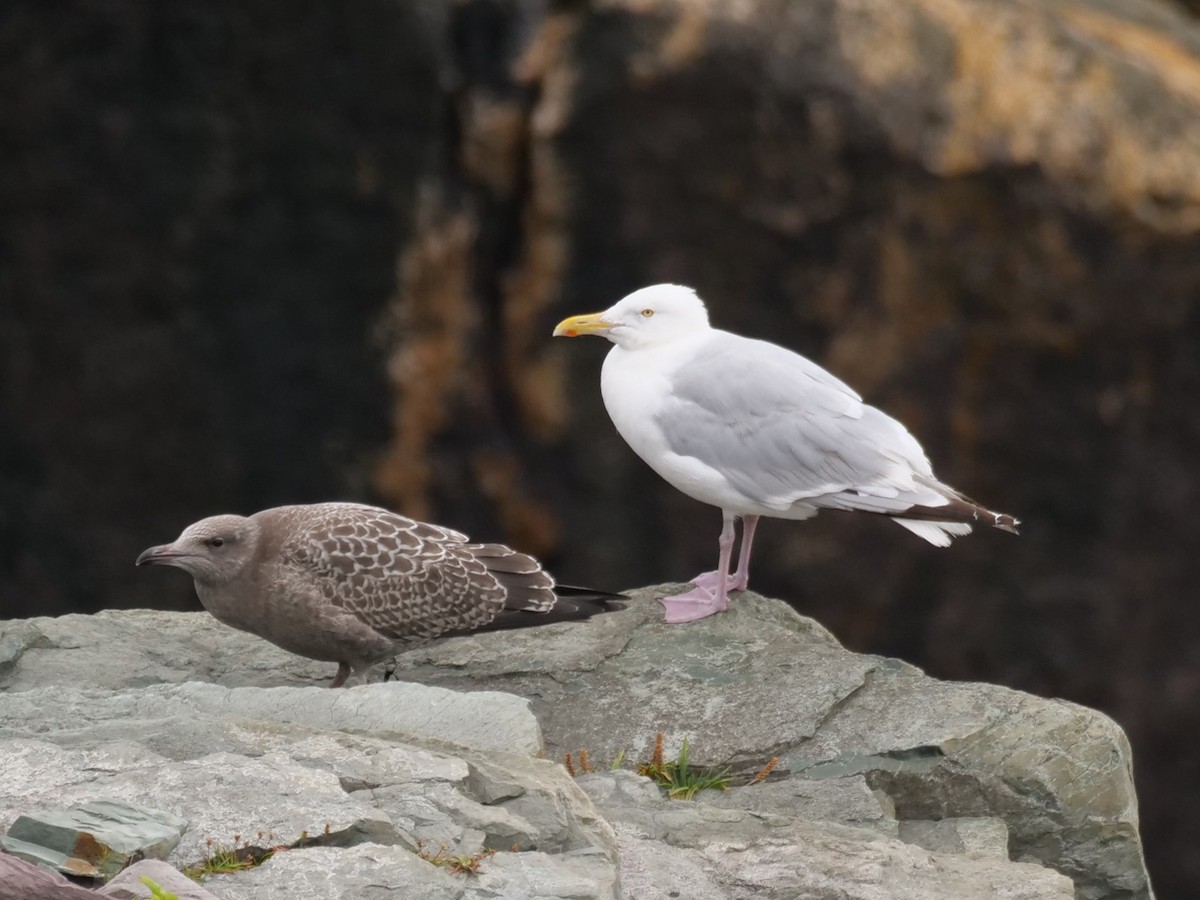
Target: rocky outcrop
pixel 355 791
pixel 762 681
pixel 886 783
pixel 255 256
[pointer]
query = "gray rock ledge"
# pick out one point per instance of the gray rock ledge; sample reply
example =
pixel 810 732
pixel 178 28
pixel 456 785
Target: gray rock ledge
pixel 890 783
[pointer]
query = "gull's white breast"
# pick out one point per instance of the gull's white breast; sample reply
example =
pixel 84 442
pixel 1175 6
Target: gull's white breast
pixel 636 385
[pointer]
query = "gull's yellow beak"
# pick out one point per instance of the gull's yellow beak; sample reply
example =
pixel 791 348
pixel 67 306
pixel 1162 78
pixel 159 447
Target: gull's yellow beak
pixel 574 326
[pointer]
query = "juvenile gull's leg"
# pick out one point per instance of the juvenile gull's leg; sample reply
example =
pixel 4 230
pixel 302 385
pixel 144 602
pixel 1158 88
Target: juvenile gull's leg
pixel 740 579
pixel 343 673
pixel 699 603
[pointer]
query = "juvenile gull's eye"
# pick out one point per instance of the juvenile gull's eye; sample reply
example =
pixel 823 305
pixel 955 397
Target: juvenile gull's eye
pixel 647 313
pixel 215 542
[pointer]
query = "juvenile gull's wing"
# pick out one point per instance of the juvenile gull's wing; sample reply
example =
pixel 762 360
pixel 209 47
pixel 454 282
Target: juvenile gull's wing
pixel 410 579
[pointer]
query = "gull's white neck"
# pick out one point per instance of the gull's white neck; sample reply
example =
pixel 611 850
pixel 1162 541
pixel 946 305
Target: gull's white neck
pixel 634 384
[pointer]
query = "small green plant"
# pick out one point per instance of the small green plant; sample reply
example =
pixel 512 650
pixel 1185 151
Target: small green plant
pixel 458 864
pixel 220 859
pixel 242 854
pixel 681 781
pixel 156 890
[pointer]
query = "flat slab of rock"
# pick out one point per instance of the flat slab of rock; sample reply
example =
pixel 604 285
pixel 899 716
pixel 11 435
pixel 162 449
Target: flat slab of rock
pixel 154 648
pixel 485 720
pixel 46 858
pixel 108 834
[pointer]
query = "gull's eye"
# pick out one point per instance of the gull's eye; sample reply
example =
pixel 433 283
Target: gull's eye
pixel 215 542
pixel 647 313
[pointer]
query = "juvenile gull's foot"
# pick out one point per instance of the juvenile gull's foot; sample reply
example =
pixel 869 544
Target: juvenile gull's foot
pixel 710 581
pixel 695 604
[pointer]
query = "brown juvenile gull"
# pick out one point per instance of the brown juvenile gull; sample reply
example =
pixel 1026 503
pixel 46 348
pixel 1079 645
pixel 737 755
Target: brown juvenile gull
pixel 356 584
pixel 757 430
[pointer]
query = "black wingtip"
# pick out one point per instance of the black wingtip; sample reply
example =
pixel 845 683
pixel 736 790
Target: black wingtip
pixel 1004 522
pixel 961 509
pixel 572 604
pixel 578 603
pixel 571 592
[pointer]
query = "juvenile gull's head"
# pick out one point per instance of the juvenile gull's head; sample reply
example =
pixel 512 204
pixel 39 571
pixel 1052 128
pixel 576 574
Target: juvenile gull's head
pixel 213 550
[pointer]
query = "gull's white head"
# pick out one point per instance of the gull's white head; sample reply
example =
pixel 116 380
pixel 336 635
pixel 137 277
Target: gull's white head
pixel 651 316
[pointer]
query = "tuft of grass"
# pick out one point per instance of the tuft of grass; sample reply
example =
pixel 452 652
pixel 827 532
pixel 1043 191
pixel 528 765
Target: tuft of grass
pixel 681 781
pixel 220 860
pixel 156 890
pixel 241 854
pixel 459 864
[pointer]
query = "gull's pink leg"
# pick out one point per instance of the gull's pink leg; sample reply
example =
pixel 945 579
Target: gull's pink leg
pixel 699 603
pixel 740 579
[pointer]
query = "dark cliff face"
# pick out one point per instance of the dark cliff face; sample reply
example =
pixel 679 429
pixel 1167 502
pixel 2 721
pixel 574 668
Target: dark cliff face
pixel 201 209
pixel 250 258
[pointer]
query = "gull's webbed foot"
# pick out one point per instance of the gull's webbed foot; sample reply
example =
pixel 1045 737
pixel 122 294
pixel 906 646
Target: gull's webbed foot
pixel 710 581
pixel 695 604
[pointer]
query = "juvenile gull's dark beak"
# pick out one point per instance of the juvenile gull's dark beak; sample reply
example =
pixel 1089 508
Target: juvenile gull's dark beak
pixel 162 555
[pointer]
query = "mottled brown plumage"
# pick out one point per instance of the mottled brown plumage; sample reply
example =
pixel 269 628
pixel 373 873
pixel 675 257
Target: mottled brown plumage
pixel 356 584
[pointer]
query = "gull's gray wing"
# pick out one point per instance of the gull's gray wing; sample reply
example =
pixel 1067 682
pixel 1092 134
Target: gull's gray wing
pixel 410 579
pixel 781 429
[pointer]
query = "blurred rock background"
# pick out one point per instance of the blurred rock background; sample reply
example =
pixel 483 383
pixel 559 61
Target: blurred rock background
pixel 255 253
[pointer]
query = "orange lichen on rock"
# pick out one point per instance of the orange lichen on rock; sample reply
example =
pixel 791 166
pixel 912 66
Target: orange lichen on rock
pixel 431 320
